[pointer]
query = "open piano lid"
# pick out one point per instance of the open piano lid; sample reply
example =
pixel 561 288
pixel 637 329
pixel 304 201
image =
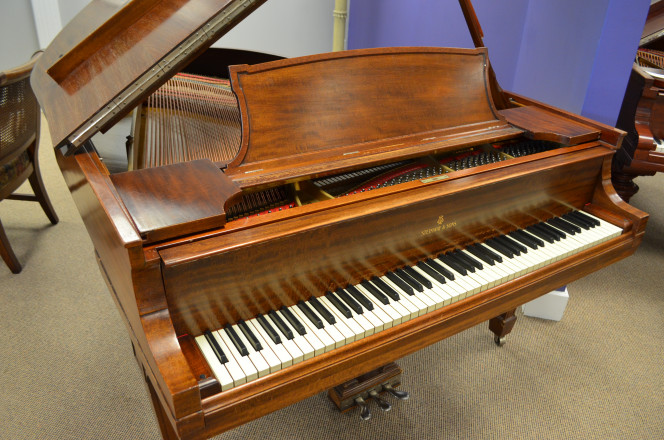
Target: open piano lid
pixel 115 53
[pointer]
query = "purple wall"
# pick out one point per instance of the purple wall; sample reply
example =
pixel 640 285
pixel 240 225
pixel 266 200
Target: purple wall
pixel 570 53
pixel 381 23
pixel 618 42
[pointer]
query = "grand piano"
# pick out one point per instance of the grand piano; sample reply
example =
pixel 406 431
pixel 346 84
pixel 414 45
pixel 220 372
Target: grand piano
pixel 642 111
pixel 376 201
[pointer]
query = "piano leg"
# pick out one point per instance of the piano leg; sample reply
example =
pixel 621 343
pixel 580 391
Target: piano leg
pixel 624 185
pixel 501 325
pixel 356 392
pixel 165 427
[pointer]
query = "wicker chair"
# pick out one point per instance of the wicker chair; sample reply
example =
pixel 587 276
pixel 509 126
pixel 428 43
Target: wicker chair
pixel 19 141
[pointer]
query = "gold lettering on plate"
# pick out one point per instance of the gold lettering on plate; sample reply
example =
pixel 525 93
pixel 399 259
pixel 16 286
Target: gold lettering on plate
pixel 441 226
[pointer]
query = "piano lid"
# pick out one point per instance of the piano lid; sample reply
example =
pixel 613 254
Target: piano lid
pixel 114 53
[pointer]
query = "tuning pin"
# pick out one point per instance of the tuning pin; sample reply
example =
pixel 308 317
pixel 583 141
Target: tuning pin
pixel 382 404
pixel 365 414
pixel 399 394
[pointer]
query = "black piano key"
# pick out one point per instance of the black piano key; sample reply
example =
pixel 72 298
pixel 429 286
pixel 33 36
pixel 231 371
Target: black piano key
pixel 470 260
pixel 281 325
pixel 523 239
pixel 359 296
pixel 410 280
pixel 310 314
pixel 235 339
pixel 385 288
pixel 586 217
pixel 564 225
pixel 216 348
pixel 350 302
pixel 539 227
pixel 531 236
pixel 540 234
pixel 553 230
pixel 431 272
pixel 401 284
pixel 440 269
pixel 268 329
pixel 253 340
pixel 486 249
pixel 322 310
pixel 418 277
pixel 336 302
pixel 453 264
pixel 576 221
pixel 375 291
pixel 499 247
pixel 515 245
pixel 294 322
pixel 481 255
pixel 507 244
pixel 463 263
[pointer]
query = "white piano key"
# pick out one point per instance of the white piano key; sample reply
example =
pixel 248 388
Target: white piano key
pixel 310 337
pixel 325 339
pixel 233 367
pixel 218 369
pixel 243 361
pixel 352 324
pixel 299 340
pixel 269 351
pixel 262 368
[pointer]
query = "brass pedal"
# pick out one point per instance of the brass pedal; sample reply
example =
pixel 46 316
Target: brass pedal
pixel 361 390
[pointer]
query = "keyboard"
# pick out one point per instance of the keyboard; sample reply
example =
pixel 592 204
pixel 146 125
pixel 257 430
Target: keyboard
pixel 247 350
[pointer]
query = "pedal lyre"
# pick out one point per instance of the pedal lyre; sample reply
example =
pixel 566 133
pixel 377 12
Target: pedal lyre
pixel 363 389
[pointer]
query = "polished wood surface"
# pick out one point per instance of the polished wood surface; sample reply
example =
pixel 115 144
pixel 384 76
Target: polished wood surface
pixel 89 63
pixel 311 114
pixel 178 199
pixel 545 125
pixel 175 274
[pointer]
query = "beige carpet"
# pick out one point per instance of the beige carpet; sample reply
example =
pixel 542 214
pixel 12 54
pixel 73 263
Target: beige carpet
pixel 67 371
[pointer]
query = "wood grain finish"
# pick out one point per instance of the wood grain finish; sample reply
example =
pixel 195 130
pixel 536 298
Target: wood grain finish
pixel 358 241
pixel 330 112
pixel 103 68
pixel 173 200
pixel 541 124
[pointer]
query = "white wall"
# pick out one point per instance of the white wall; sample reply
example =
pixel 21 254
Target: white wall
pixel 281 27
pixel 288 28
pixel 18 36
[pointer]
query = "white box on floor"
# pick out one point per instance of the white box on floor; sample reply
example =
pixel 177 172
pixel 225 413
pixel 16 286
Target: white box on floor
pixel 549 306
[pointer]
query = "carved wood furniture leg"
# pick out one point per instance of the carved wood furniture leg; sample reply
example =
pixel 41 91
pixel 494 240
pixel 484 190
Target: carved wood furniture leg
pixel 38 188
pixel 501 326
pixel 624 184
pixel 356 392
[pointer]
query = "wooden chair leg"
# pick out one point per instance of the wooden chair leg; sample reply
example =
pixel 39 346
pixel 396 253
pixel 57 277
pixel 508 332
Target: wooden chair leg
pixel 7 252
pixel 40 192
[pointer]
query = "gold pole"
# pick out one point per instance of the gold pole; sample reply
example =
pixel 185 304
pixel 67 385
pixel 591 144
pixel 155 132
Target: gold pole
pixel 340 13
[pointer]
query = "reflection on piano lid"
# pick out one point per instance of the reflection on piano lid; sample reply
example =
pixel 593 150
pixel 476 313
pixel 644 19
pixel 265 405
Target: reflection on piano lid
pixel 365 205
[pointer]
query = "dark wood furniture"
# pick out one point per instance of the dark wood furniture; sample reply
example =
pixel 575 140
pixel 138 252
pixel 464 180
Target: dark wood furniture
pixel 20 118
pixel 181 258
pixel 642 111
